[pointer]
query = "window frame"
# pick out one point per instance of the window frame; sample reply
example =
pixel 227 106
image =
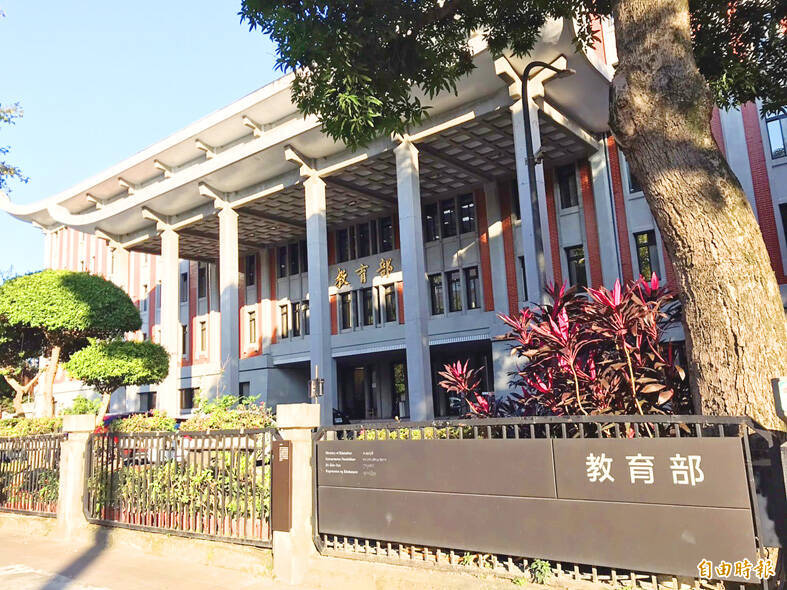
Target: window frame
pixel 653 252
pixel 389 311
pixel 572 203
pixel 436 293
pixel 569 259
pixel 476 281
pixel 781 122
pixel 454 304
pixel 250 270
pixel 284 320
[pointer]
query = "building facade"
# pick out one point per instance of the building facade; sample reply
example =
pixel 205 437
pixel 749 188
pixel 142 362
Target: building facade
pixel 261 253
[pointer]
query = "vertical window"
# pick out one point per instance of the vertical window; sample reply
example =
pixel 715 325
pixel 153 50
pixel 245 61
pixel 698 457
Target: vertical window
pixel 575 258
pixel 184 287
pixel 296 319
pixel 251 270
pixel 184 340
pixel 244 390
pixel 466 213
pixel 390 304
pixel 158 296
pixel 305 307
pixel 346 304
pixel 777 131
pixel 294 259
pixel 353 254
pixel 454 290
pixel 634 185
pixel 783 211
pixel 567 186
pixel 515 204
pixel 431 232
pixel 252 327
pixel 471 288
pixel 386 234
pixel 203 336
pixel 447 218
pixel 363 240
pixel 285 320
pixel 647 253
pixel 367 306
pixel 202 281
pixel 342 246
pixel 524 276
pixel 436 293
pixel 373 236
pixel 143 303
pixel 282 262
pixel 304 256
pixel 187 398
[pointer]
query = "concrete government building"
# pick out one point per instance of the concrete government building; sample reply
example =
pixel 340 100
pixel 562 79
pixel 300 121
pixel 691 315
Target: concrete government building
pixel 261 252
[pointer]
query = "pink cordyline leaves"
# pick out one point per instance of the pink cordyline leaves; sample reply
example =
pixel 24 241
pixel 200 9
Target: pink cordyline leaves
pixel 605 352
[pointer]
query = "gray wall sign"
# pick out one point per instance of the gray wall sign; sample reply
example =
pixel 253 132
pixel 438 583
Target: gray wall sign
pixel 657 505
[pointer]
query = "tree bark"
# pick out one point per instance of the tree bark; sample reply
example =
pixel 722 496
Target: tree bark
pixel 20 391
pixel 736 334
pixel 48 385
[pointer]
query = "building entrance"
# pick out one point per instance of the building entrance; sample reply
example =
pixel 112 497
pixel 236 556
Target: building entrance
pixel 373 389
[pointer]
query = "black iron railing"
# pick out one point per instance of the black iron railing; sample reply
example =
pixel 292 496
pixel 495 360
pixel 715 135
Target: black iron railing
pixel 757 444
pixel 213 485
pixel 30 474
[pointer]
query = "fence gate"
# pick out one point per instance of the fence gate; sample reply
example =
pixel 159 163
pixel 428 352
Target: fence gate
pixel 663 495
pixel 30 474
pixel 210 485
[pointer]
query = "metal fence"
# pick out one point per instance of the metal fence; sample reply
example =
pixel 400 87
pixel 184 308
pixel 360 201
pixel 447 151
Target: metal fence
pixel 211 485
pixel 757 444
pixel 30 474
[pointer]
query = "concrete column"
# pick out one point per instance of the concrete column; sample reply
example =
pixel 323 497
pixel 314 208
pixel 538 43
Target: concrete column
pixel 168 394
pixel 416 295
pixel 319 305
pixel 120 260
pixel 71 521
pixel 228 301
pixel 605 217
pixel 496 255
pixel 535 229
pixel 292 550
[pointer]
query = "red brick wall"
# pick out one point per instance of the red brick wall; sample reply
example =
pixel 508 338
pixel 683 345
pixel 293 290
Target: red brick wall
pixel 716 130
pixel 334 316
pixel 272 273
pixel 554 236
pixel 591 225
pixel 504 191
pixel 762 189
pixel 620 210
pixel 400 297
pixel 483 247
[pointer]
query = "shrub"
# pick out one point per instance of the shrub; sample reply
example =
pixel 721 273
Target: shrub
pixel 82 405
pixel 540 571
pixel 227 413
pixel 30 426
pixel 156 421
pixel 604 353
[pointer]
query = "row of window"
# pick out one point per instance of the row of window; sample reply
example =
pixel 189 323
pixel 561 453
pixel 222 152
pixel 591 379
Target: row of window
pixel 294 319
pixel 365 239
pixel 368 307
pixel 448 285
pixel 447 217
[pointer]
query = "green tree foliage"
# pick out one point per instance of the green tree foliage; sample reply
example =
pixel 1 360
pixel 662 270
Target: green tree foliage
pixel 53 313
pixel 356 61
pixel 107 365
pixel 81 405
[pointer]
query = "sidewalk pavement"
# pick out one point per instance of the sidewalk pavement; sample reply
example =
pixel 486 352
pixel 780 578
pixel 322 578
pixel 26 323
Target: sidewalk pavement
pixel 44 563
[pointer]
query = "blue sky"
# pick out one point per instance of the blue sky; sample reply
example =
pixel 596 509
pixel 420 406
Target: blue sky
pixel 99 81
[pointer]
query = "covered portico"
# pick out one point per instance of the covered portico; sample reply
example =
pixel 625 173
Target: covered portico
pixel 257 174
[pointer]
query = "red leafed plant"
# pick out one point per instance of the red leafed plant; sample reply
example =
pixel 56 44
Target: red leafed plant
pixel 603 352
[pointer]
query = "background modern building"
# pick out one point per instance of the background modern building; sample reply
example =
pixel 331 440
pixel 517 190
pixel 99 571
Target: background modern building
pixel 262 253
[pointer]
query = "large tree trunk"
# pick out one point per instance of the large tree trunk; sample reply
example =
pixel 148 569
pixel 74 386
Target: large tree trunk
pixel 48 385
pixel 736 334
